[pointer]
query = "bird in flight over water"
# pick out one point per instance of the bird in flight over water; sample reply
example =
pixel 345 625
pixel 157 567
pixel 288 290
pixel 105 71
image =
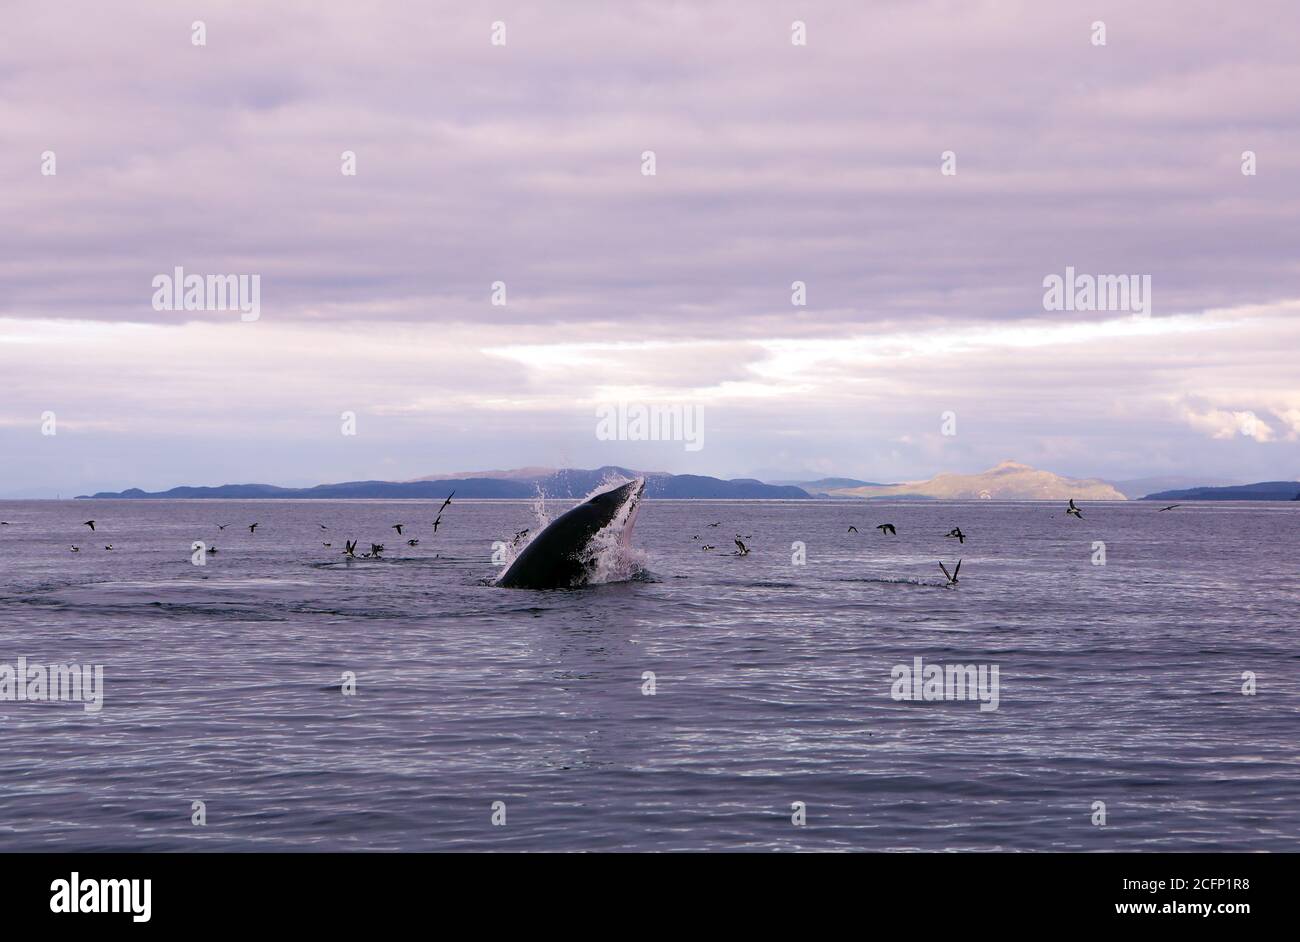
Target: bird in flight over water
pixel 742 549
pixel 952 578
pixel 1170 507
pixel 887 528
pixel 397 527
pixel 91 524
pixel 446 502
pixel 853 529
pixel 1073 511
pixel 252 528
pixel 222 526
pixel 956 531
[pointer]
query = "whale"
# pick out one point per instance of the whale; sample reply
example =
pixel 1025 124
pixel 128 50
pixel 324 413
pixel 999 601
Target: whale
pixel 560 556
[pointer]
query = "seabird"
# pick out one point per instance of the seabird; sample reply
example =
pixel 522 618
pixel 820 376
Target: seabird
pixel 1073 510
pixel 375 550
pixel 91 524
pixel 412 542
pixel 886 528
pixel 327 545
pixel 1170 507
pixel 397 527
pixel 436 522
pixel 109 546
pixel 952 579
pixel 76 549
pixel 719 523
pixel 222 526
pixel 706 547
pixel 744 550
pixel 351 550
pixel 252 528
pixel 853 529
pixel 322 526
pixel 212 549
pixel 446 502
pixel 956 531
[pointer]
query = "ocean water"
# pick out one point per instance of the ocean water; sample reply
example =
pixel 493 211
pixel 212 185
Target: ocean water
pixel 1118 683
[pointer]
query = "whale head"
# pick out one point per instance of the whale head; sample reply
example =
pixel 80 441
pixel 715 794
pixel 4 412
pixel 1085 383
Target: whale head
pixel 561 556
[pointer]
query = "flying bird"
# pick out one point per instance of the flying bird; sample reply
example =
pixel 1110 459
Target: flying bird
pixel 952 579
pixel 743 549
pixel 412 542
pixel 887 528
pixel 956 531
pixel 853 529
pixel 91 524
pixel 397 527
pixel 1073 510
pixel 446 502
pixel 222 526
pixel 351 550
pixel 436 522
pixel 252 528
pixel 1170 507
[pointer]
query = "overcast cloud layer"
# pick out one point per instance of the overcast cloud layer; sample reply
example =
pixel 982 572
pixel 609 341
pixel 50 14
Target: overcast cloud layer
pixel 522 163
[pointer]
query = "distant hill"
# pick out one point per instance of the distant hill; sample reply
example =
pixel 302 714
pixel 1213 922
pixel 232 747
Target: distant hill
pixel 565 483
pixel 825 485
pixel 1009 480
pixel 1265 490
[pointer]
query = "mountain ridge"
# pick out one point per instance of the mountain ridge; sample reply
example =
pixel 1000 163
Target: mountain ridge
pixel 562 483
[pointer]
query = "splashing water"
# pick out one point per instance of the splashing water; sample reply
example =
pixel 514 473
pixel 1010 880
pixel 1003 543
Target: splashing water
pixel 610 556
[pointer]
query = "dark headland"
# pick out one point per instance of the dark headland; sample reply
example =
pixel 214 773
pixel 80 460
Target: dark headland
pixel 1265 490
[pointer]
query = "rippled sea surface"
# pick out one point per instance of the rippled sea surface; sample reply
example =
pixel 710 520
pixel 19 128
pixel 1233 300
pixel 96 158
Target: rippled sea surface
pixel 1119 683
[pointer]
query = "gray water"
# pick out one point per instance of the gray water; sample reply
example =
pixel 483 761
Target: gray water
pixel 1119 683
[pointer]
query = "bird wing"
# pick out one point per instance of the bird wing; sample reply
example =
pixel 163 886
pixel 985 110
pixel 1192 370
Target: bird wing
pixel 945 571
pixel 957 570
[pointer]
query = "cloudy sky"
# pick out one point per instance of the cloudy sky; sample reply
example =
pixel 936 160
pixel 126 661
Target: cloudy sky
pixel 522 163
